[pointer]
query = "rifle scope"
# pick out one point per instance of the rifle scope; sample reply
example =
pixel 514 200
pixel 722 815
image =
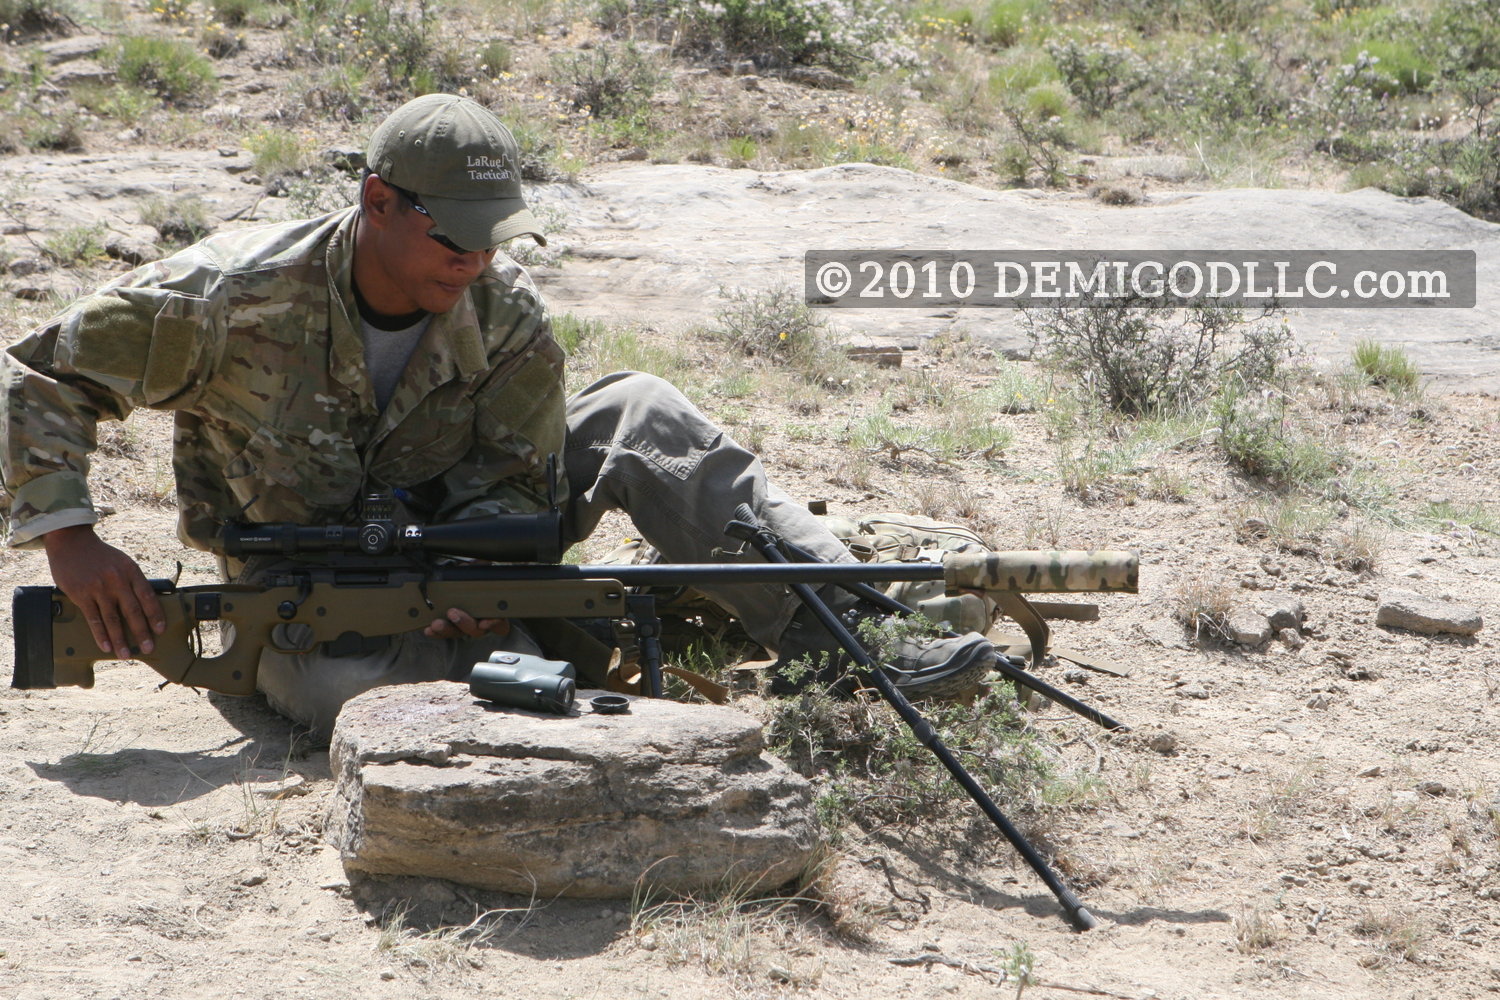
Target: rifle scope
pixel 498 538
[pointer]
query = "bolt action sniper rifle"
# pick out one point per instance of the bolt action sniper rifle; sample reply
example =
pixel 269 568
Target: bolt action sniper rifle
pixel 379 579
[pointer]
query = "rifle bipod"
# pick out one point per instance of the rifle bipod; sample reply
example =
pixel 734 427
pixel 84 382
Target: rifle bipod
pixel 1009 670
pixel 746 527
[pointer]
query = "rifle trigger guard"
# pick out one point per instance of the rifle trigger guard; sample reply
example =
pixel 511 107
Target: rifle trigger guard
pixel 422 589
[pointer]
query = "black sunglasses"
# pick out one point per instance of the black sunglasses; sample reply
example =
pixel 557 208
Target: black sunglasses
pixel 433 234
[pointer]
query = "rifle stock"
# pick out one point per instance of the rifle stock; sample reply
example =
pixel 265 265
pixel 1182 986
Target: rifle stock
pixel 54 645
pixel 325 610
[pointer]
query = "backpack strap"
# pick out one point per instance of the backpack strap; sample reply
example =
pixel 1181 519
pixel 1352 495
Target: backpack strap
pixel 625 678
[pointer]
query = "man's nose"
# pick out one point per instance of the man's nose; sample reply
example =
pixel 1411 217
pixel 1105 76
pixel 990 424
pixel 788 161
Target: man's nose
pixel 470 264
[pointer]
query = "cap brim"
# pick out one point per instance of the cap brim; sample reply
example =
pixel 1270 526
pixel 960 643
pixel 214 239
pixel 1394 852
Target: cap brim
pixel 479 225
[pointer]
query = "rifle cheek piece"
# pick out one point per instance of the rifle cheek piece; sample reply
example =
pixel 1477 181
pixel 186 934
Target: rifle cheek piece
pixel 1055 572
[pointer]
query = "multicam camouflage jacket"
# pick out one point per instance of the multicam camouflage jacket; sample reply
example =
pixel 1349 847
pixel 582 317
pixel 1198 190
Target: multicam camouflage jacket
pixel 251 338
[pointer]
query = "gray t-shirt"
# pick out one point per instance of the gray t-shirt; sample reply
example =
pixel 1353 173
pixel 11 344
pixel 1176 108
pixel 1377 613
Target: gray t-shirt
pixel 386 354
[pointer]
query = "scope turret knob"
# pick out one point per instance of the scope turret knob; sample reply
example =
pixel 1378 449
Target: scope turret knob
pixel 374 539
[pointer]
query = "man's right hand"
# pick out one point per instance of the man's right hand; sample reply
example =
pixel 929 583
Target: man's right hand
pixel 109 588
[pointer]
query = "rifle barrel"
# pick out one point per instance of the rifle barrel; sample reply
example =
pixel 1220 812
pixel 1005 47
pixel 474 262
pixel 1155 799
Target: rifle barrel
pixel 678 574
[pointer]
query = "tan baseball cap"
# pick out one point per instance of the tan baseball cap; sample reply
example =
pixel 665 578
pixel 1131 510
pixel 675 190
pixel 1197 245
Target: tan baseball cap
pixel 464 165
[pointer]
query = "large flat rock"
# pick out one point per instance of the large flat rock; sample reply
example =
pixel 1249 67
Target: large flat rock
pixel 432 781
pixel 654 243
pixel 657 242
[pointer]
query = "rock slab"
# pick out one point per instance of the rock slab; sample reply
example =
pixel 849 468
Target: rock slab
pixel 432 781
pixel 1417 613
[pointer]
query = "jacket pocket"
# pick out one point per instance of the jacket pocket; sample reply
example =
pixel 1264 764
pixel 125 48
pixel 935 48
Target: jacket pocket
pixel 429 441
pixel 290 473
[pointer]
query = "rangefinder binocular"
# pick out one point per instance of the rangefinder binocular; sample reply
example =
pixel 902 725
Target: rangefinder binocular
pixel 524 681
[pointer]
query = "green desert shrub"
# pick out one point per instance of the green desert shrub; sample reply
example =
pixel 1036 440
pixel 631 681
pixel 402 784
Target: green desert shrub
pixel 1397 66
pixel 173 70
pixel 1145 359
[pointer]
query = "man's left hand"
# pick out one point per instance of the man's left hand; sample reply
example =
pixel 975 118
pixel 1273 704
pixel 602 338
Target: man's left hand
pixel 461 623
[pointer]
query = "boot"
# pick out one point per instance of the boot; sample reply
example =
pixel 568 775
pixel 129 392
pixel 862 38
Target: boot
pixel 939 667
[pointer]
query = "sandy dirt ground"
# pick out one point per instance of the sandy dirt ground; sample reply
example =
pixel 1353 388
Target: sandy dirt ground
pixel 1318 822
pixel 1309 823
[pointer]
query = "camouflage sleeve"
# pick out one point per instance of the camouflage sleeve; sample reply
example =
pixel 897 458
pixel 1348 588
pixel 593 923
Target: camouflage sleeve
pixel 518 424
pixel 140 341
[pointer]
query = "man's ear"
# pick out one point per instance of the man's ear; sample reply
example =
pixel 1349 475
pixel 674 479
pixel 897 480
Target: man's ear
pixel 378 201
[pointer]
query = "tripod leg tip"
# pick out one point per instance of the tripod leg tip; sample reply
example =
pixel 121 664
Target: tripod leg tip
pixel 1083 919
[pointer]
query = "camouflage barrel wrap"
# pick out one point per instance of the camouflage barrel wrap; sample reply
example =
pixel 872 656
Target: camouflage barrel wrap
pixel 1054 572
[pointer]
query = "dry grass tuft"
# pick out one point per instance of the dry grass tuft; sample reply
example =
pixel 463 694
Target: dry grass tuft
pixel 1202 602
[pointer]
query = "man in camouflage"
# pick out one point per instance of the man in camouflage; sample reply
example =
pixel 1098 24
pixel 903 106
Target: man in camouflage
pixel 389 345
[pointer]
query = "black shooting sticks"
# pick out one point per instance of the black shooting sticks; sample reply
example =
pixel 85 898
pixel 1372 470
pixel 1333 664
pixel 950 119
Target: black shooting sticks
pixel 746 527
pixel 1009 670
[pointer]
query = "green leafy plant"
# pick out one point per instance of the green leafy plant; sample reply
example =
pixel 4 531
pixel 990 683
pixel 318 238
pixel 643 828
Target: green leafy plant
pixel 742 149
pixel 1397 66
pixel 76 245
pixel 172 70
pixel 1020 967
pixel 278 153
pixel 1260 436
pixel 177 220
pixel 1007 22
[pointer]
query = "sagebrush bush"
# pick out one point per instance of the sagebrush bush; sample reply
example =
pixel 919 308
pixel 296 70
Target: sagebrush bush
pixel 775 323
pixel 1099 74
pixel 1210 87
pixel 844 34
pixel 1465 172
pixel 611 80
pixel 1259 435
pixel 75 245
pixel 46 128
pixel 1146 359
pixel 400 42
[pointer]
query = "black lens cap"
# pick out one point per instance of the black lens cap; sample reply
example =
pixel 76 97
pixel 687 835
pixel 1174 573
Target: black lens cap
pixel 611 704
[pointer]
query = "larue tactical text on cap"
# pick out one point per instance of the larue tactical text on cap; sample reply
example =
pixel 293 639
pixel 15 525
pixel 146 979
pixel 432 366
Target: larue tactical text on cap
pixel 463 163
